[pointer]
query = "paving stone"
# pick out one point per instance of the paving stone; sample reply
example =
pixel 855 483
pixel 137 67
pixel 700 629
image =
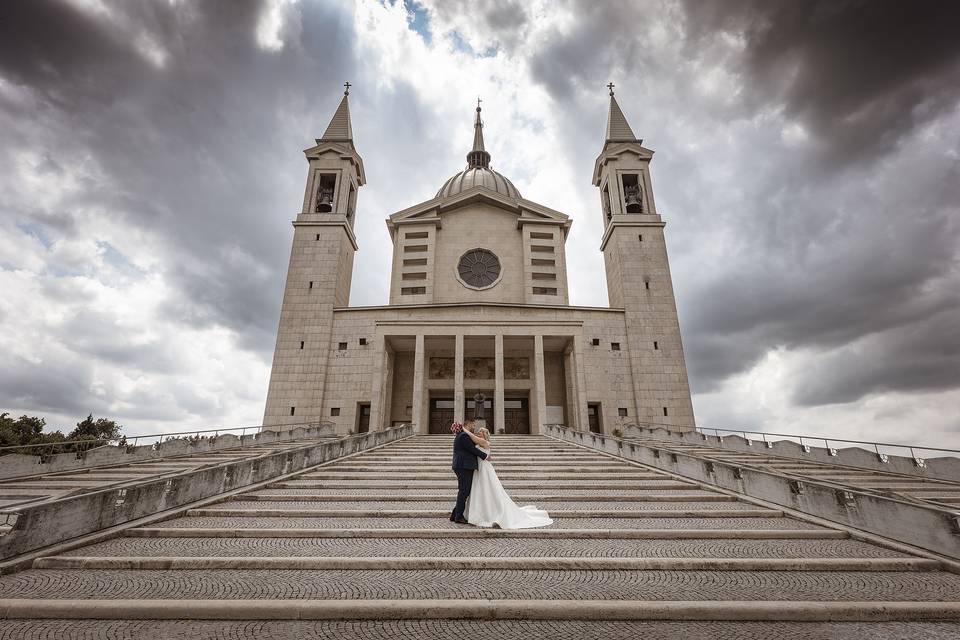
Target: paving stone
pixel 490 584
pixel 443 523
pixel 439 547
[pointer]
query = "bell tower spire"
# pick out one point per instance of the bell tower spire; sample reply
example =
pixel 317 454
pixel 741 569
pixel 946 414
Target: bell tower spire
pixel 638 274
pixel 478 156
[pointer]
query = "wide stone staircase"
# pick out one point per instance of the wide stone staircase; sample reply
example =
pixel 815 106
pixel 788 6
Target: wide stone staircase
pixel 362 547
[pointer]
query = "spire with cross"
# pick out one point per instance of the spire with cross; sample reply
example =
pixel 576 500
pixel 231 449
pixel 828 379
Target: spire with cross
pixel 347 86
pixel 610 86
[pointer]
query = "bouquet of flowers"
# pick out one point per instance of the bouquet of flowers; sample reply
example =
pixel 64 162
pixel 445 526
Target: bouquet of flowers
pixel 456 428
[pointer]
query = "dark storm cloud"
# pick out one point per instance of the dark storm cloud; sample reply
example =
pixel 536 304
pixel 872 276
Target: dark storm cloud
pixel 819 246
pixel 859 73
pixel 193 149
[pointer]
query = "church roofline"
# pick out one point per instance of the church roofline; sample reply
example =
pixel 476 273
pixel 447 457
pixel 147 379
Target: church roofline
pixel 443 305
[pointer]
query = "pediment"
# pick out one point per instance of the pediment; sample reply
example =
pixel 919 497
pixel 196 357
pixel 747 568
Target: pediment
pixel 341 150
pixel 613 150
pixel 432 210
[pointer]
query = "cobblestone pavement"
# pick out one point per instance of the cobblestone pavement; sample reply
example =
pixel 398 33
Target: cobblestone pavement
pixel 599 489
pixel 489 584
pixel 494 548
pixel 478 630
pixel 744 524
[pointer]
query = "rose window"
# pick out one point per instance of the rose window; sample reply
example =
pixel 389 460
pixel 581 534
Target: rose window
pixel 479 268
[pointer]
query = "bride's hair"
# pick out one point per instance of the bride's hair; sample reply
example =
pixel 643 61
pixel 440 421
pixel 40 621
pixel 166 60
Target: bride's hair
pixel 485 434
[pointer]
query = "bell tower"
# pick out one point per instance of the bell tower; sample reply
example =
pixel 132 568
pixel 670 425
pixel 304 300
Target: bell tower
pixel 638 275
pixel 319 274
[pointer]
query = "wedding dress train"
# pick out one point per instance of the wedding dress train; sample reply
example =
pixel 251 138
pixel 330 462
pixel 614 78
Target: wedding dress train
pixel 489 505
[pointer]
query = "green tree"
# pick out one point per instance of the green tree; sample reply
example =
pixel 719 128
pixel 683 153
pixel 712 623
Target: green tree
pixel 23 430
pixel 99 429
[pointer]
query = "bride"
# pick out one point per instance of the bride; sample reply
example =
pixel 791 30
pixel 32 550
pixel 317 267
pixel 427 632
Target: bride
pixel 489 505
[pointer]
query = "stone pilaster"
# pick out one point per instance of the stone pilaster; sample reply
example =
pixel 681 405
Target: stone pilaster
pixel 417 417
pixel 458 398
pixel 540 391
pixel 499 422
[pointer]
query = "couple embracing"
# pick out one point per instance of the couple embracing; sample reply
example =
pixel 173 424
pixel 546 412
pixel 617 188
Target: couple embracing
pixel 481 499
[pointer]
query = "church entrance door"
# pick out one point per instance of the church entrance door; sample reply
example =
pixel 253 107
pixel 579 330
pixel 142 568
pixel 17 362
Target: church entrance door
pixel 516 416
pixel 441 415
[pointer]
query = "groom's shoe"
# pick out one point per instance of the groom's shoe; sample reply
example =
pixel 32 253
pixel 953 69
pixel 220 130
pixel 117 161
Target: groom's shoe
pixel 461 521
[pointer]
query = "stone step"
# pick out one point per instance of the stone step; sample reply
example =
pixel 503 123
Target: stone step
pixel 738 524
pixel 188 585
pixel 600 488
pixel 451 481
pixel 509 475
pixel 481 628
pixel 658 496
pixel 797 549
pixel 460 531
pixel 446 563
pixel 445 513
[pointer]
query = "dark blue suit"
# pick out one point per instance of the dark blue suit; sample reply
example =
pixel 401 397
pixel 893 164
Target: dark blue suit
pixel 465 455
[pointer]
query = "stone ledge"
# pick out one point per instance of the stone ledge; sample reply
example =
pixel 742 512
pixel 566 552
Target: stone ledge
pixel 808 611
pixel 506 563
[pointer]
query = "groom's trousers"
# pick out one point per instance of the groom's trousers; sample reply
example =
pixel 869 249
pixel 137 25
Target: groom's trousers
pixel 464 482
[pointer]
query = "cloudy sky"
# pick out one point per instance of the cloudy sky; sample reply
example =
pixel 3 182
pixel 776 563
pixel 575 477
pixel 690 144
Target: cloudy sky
pixel 807 168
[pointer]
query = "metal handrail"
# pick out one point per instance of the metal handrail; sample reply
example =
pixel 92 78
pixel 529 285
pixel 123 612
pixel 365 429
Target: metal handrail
pixel 826 441
pixel 131 441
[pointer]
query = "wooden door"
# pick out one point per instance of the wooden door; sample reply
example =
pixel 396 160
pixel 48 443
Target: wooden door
pixel 363 420
pixel 593 417
pixel 441 415
pixel 516 416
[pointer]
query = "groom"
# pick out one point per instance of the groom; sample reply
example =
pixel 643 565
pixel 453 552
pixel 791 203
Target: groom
pixel 465 455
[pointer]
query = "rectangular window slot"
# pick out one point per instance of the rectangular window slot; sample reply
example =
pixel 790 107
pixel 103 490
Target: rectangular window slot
pixel 622 412
pixel 412 291
pixel 641 237
pixel 293 410
pixel 415 262
pixel 543 262
pixel 615 346
pixel 310 286
pixel 541 248
pixel 363 342
pixel 646 284
pixel 341 346
pixel 413 235
pixel 656 345
pixel 540 235
pixel 335 411
pixel 414 275
pixel 317 237
pixel 414 248
pixel 544 276
pixel 664 411
pixel 301 344
pixel 595 342
pixel 544 291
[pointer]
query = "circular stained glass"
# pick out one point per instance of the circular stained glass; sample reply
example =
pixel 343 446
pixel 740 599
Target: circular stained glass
pixel 479 268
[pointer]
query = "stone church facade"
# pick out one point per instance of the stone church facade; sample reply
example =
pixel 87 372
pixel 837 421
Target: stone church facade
pixel 479 309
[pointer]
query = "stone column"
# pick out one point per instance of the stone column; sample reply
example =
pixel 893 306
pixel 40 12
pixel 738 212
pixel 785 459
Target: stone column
pixel 570 388
pixel 498 420
pixel 540 389
pixel 458 380
pixel 377 386
pixel 417 417
pixel 581 399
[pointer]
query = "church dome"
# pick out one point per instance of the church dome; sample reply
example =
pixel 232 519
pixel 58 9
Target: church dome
pixel 478 172
pixel 478 177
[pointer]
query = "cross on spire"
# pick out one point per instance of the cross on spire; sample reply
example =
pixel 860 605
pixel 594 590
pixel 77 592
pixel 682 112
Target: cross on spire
pixel 610 86
pixel 478 103
pixel 348 85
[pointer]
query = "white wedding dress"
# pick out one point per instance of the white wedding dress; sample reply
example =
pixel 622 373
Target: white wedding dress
pixel 490 506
